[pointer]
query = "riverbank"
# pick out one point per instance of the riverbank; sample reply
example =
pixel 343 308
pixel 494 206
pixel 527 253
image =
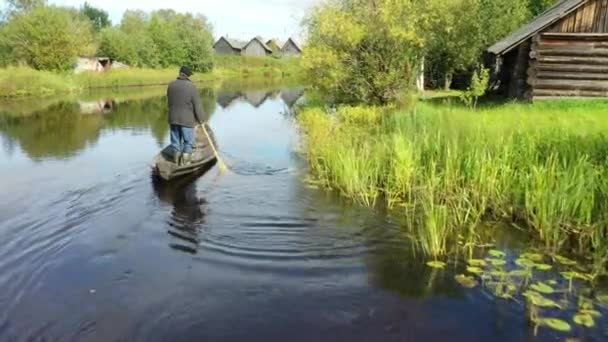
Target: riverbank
pixel 23 81
pixel 540 166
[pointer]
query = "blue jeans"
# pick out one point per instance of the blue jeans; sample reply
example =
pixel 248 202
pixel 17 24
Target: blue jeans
pixel 182 138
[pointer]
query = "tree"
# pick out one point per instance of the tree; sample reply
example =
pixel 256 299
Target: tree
pixel 49 38
pixel 538 6
pixel 98 17
pixel 118 45
pixel 20 6
pixel 363 50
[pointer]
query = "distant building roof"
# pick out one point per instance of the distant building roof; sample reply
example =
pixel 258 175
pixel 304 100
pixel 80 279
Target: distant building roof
pixel 294 44
pixel 547 18
pixel 234 43
pixel 259 39
pixel 278 42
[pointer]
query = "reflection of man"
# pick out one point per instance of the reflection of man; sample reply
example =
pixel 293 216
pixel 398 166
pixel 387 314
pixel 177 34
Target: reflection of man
pixel 188 213
pixel 185 112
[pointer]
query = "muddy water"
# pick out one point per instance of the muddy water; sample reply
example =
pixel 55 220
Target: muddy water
pixel 94 250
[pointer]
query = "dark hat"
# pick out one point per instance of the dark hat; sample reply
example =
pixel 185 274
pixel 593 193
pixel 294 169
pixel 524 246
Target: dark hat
pixel 185 70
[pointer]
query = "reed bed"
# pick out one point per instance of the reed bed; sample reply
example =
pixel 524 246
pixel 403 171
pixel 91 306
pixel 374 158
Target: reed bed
pixel 448 168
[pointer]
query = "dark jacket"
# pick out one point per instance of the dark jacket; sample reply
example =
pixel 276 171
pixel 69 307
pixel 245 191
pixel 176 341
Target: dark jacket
pixel 185 107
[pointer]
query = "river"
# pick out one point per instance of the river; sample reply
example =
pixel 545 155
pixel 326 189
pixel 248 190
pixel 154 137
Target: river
pixel 94 250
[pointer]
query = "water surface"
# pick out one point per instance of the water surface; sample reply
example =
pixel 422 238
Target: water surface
pixel 94 250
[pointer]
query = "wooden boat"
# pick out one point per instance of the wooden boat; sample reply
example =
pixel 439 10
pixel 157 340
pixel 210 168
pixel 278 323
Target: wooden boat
pixel 203 157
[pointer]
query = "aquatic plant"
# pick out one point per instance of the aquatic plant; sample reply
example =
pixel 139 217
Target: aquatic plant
pixel 448 169
pixel 521 277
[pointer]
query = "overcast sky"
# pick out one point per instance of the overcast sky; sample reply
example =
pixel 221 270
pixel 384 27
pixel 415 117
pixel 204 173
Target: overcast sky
pixel 236 18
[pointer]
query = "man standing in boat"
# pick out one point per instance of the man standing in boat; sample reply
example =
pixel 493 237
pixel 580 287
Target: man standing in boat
pixel 185 112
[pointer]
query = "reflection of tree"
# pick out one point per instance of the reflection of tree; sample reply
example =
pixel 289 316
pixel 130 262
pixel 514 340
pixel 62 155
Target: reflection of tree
pixel 209 99
pixel 187 215
pixel 60 131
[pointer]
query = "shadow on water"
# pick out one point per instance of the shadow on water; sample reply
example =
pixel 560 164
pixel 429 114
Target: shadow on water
pixel 188 210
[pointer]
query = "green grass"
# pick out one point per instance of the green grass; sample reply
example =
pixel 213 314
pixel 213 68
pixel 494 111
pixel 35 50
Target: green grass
pixel 23 81
pixel 448 168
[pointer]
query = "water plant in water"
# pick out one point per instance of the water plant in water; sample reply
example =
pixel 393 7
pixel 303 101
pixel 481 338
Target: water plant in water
pixel 436 264
pixel 448 169
pixel 466 281
pixel 528 278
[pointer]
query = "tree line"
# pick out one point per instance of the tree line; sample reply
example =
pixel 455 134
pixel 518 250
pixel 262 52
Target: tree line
pixel 48 37
pixel 372 51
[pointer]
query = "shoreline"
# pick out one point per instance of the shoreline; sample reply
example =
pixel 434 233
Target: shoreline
pixel 22 82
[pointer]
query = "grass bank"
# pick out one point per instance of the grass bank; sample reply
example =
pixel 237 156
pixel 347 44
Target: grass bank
pixel 23 81
pixel 542 166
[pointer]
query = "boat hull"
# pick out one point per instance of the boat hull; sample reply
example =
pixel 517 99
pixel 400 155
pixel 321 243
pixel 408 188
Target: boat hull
pixel 203 157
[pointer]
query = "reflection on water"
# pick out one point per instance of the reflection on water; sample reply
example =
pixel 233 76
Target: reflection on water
pixel 61 130
pixel 97 107
pixel 188 211
pixel 249 255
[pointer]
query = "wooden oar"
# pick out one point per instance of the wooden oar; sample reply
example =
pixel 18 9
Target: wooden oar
pixel 221 164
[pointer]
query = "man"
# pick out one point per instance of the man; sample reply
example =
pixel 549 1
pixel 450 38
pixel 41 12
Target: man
pixel 185 112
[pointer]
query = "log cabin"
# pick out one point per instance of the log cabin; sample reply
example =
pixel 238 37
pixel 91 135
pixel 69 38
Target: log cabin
pixel 291 48
pixel 226 46
pixel 256 47
pixel 561 53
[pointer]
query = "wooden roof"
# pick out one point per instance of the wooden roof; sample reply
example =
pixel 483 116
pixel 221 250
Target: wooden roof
pixel 276 41
pixel 234 43
pixel 261 41
pixel 294 44
pixel 547 18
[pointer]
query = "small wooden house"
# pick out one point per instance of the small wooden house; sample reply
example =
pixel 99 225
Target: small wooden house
pixel 256 47
pixel 563 52
pixel 291 48
pixel 96 64
pixel 226 46
pixel 275 45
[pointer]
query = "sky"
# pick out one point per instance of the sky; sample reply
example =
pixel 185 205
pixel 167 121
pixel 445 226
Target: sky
pixel 241 19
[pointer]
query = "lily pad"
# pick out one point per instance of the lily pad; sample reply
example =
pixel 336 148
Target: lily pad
pixel 497 262
pixel 474 270
pixel 526 263
pixel 543 267
pixel 466 281
pixel 564 261
pixel 533 257
pixel 496 253
pixel 542 288
pixel 602 298
pixel 555 324
pixel 570 275
pixel 537 299
pixel 497 273
pixel 436 264
pixel 520 273
pixel 593 313
pixel 477 262
pixel 584 319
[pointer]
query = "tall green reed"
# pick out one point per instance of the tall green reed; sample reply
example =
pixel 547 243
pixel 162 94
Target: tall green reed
pixel 450 168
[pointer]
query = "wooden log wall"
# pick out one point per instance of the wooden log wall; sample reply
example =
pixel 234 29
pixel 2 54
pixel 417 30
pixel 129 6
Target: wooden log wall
pixel 592 17
pixel 568 64
pixel 518 88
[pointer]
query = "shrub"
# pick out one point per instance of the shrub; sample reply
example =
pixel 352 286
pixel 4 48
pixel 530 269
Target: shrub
pixel 49 38
pixel 361 51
